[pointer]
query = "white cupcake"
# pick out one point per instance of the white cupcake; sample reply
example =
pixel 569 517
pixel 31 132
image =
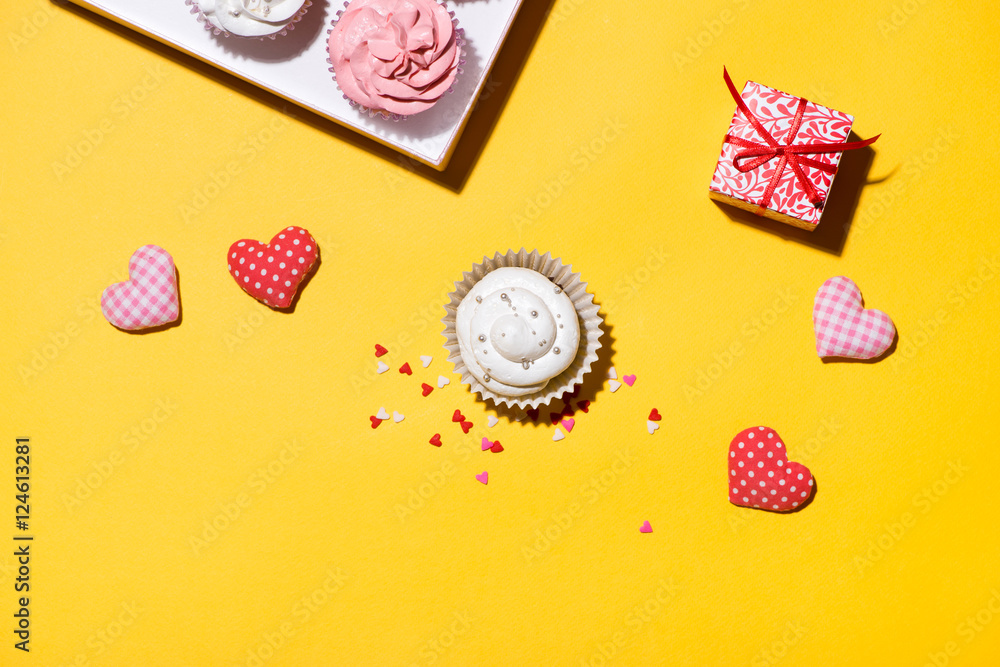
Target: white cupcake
pixel 522 329
pixel 249 18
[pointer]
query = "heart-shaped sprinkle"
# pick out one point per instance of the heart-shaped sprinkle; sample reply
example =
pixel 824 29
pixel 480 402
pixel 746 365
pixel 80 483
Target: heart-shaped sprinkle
pixel 532 414
pixel 614 385
pixel 651 427
pixel 149 297
pixel 654 416
pixel 379 350
pixel 584 406
pixel 442 381
pixel 629 380
pixel 466 426
pixel 375 421
pixel 382 414
pixel 612 373
pixel 426 389
pixel 382 367
pixel 486 443
pixel 492 421
pixel 458 416
pixel 497 447
pixel 396 417
pixel 426 360
pixel 483 477
pixel 405 368
pixel 555 417
pixel 844 328
pixel 645 528
pixel 558 435
pixel 272 272
pixel 760 475
pixel 568 396
pixel 568 424
pixel 436 440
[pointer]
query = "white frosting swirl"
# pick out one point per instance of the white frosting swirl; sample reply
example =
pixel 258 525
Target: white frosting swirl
pixel 250 18
pixel 516 331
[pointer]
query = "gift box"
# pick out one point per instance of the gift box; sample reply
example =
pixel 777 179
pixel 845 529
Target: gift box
pixel 780 155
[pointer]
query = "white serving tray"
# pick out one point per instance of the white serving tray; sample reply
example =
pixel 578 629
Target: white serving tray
pixel 294 66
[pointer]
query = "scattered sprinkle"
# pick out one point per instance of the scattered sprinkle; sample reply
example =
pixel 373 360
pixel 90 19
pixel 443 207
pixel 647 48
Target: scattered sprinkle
pixel 614 386
pixel 612 373
pixel 436 440
pixel 379 350
pixel 497 447
pixel 405 368
pixel 466 426
pixel 382 367
pixel 375 421
pixel 382 414
pixel 486 443
pixel 442 381
pixel 629 379
pixel 568 424
pixel 458 416
pixel 426 360
pixel 426 389
pixel 483 477
pixel 396 417
pixel 584 406
pixel 645 528
pixel 651 426
pixel 654 416
pixel 532 413
pixel 492 421
pixel 558 435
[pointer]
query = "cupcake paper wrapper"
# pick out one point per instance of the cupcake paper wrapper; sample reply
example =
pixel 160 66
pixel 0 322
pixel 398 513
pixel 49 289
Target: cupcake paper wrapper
pixel 219 31
pixel 587 311
pixel 382 113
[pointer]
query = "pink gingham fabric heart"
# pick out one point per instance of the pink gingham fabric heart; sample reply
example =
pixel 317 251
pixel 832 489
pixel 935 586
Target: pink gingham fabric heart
pixel 844 328
pixel 149 297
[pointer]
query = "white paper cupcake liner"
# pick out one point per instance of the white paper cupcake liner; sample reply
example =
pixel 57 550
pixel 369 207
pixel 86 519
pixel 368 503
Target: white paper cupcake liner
pixel 217 31
pixel 587 311
pixel 382 113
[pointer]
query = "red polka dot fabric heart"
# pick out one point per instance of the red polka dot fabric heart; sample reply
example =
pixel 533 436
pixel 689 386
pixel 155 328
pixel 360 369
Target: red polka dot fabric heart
pixel 271 273
pixel 844 328
pixel 761 476
pixel 149 297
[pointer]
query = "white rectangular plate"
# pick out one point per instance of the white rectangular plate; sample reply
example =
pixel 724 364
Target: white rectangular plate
pixel 294 66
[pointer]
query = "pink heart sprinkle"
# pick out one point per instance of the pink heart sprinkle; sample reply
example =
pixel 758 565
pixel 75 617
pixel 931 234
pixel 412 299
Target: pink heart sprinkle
pixel 629 380
pixel 486 443
pixel 568 424
pixel 483 477
pixel 646 528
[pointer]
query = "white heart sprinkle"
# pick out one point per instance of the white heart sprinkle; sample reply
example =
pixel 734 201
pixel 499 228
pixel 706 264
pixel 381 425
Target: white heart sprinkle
pixel 651 426
pixel 382 414
pixel 492 421
pixel 382 367
pixel 612 373
pixel 442 381
pixel 426 361
pixel 396 417
pixel 614 386
pixel 558 435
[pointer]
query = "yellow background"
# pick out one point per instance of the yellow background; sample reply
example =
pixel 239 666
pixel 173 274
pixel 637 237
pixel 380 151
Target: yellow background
pixel 887 566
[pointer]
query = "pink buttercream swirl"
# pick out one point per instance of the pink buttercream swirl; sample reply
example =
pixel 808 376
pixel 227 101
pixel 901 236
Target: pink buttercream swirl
pixel 398 56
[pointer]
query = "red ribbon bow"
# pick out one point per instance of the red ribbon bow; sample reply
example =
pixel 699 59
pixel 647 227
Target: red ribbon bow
pixel 790 154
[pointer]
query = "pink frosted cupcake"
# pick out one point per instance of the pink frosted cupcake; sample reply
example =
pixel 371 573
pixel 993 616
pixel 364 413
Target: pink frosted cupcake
pixel 249 18
pixel 395 57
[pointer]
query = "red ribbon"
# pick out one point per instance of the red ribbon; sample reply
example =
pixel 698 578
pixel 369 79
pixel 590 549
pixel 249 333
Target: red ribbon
pixel 789 155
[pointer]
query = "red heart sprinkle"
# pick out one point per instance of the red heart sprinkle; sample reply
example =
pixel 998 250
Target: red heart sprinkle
pixel 436 440
pixel 379 350
pixel 375 421
pixel 555 417
pixel 655 416
pixel 272 272
pixel 466 426
pixel 405 368
pixel 760 474
pixel 532 414
pixel 458 416
pixel 497 447
pixel 584 406
pixel 426 389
